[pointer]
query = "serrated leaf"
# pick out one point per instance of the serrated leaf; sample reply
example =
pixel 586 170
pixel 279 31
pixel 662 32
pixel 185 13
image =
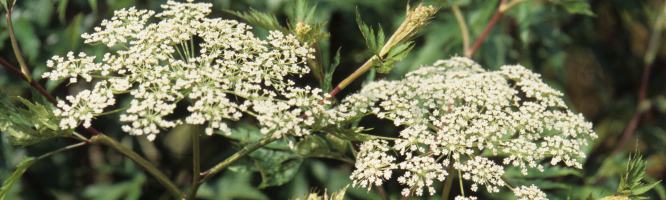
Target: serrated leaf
pixel 631 182
pixel 28 123
pixel 374 39
pixel 330 70
pixel 15 176
pixel 257 18
pixel 302 12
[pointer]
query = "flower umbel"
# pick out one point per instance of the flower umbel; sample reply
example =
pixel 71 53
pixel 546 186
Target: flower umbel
pixel 479 121
pixel 217 67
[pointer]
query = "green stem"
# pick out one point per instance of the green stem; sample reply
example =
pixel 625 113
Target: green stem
pixel 464 31
pixel 196 166
pixel 462 188
pixel 69 147
pixel 446 190
pixel 143 163
pixel 17 50
pixel 112 111
pixel 233 158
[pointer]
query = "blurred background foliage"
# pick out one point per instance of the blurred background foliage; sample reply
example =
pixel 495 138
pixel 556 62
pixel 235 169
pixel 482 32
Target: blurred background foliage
pixel 596 59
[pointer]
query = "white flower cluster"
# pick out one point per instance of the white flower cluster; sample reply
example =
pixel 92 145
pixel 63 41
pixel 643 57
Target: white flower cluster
pixel 465 198
pixel 421 172
pixel 479 121
pixel 217 67
pixel 529 193
pixel 373 164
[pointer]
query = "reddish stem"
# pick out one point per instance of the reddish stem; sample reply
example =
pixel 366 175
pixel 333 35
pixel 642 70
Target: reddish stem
pixel 489 27
pixel 630 130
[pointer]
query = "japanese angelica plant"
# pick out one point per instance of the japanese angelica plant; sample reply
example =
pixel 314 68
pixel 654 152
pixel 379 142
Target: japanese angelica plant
pixel 454 116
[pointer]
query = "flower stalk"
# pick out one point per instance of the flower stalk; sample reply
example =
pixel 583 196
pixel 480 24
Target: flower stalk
pixel 504 6
pixel 414 21
pixel 143 163
pixel 233 158
pixel 196 166
pixel 25 72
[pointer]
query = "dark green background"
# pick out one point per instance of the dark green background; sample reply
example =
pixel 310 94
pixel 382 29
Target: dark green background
pixel 596 61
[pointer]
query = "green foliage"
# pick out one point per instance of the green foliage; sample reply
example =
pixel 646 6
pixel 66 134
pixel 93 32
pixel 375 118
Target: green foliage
pixel 396 54
pixel 575 6
pixel 15 176
pixel 632 183
pixel 596 61
pixel 304 24
pixel 374 39
pixel 276 162
pixel 260 19
pixel 28 123
pixel 232 185
pixel 127 190
pixel 330 68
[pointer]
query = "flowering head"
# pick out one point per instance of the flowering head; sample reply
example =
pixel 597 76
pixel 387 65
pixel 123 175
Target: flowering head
pixel 456 114
pixel 217 67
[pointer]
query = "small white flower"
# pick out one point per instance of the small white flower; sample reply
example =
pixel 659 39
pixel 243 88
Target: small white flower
pixel 529 193
pixel 465 198
pixel 374 164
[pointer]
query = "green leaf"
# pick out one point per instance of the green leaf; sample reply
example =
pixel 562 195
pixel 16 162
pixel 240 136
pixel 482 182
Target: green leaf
pixel 632 182
pixel 330 70
pixel 374 39
pixel 27 39
pixel 329 146
pixel 276 167
pixel 302 12
pixel 644 188
pixel 575 6
pixel 28 123
pixel 276 162
pixel 15 176
pixel 232 185
pixel 257 18
pixel 396 54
